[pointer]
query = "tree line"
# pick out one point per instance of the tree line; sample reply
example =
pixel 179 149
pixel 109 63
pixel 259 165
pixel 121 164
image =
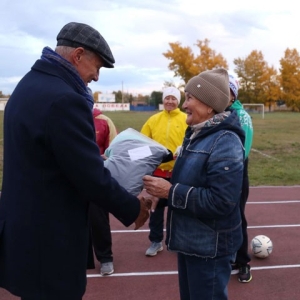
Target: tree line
pixel 259 82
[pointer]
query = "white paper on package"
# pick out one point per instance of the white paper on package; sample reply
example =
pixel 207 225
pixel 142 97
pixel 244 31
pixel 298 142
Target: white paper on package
pixel 132 155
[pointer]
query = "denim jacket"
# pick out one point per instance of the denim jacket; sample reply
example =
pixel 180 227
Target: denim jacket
pixel 203 216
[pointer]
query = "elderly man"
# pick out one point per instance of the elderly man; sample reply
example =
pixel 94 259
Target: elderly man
pixel 53 170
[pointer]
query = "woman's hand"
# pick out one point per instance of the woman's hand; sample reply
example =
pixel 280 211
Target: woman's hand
pixel 157 187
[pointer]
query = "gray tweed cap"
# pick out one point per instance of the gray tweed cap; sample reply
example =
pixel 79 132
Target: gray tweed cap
pixel 81 35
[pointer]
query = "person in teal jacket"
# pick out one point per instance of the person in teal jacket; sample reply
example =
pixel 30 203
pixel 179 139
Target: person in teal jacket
pixel 241 264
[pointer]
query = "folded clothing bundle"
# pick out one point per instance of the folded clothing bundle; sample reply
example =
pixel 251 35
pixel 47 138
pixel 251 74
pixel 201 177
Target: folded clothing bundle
pixel 132 155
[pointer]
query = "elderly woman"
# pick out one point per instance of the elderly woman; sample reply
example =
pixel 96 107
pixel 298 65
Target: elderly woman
pixel 204 222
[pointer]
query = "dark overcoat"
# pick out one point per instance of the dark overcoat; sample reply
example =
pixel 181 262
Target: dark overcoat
pixel 52 170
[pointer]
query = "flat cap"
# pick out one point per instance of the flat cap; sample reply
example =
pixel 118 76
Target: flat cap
pixel 81 35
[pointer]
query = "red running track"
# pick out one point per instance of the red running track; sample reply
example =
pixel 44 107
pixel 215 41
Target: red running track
pixel 272 211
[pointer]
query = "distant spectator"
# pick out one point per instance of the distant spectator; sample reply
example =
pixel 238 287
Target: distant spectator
pixel 241 264
pixel 99 217
pixel 166 127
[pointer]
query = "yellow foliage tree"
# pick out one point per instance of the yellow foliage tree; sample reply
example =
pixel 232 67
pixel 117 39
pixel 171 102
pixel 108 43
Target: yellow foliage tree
pixel 290 78
pixel 258 81
pixel 208 58
pixel 186 65
pixel 271 86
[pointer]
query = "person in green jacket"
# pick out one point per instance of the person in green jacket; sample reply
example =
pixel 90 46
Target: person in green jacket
pixel 241 264
pixel 167 128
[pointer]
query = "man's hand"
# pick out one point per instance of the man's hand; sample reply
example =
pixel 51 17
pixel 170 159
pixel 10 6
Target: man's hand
pixel 157 187
pixel 104 157
pixel 151 201
pixel 144 213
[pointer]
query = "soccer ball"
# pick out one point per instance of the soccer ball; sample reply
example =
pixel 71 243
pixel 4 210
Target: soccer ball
pixel 261 246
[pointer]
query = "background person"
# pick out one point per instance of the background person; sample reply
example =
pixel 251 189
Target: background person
pixel 47 187
pixel 204 222
pixel 241 265
pixel 99 218
pixel 167 128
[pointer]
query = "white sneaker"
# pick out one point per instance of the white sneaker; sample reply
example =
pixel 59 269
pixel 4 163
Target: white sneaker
pixel 107 268
pixel 154 248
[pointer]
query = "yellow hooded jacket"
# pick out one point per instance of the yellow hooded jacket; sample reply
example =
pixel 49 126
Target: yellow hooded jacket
pixel 168 129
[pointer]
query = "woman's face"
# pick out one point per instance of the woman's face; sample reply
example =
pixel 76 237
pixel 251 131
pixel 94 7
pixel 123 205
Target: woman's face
pixel 197 112
pixel 170 103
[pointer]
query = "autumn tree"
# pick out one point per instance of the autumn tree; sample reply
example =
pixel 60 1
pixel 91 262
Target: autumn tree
pixel 208 59
pixel 290 78
pixel 258 81
pixel 271 86
pixel 186 64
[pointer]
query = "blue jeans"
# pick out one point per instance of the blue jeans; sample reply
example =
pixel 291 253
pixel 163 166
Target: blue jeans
pixel 203 278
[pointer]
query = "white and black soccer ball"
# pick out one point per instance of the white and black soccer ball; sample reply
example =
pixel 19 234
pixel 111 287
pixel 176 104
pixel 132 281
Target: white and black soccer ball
pixel 261 246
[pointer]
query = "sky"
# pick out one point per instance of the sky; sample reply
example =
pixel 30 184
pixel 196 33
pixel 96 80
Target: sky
pixel 139 32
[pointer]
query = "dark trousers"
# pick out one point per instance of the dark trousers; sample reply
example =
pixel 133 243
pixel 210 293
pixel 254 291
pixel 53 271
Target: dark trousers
pixel 101 235
pixel 156 221
pixel 242 256
pixel 156 224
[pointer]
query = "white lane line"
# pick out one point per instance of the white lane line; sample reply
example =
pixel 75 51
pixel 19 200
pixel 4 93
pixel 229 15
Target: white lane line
pixel 264 154
pixel 135 274
pixel 273 202
pixel 175 272
pixel 249 227
pixel 274 226
pixel 275 186
pixel 275 267
pixel 131 231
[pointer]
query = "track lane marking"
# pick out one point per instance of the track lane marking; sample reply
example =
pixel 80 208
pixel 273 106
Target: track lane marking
pixel 249 227
pixel 176 272
pixel 273 202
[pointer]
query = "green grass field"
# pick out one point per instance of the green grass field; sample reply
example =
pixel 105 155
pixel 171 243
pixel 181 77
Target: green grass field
pixel 274 159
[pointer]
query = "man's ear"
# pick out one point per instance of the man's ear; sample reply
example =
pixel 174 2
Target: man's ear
pixel 77 55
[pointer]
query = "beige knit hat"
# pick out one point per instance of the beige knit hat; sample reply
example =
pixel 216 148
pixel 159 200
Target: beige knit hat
pixel 211 87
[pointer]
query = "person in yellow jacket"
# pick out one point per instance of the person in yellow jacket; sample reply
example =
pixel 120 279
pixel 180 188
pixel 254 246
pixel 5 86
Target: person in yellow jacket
pixel 167 128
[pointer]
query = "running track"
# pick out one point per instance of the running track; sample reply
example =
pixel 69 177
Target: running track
pixel 272 211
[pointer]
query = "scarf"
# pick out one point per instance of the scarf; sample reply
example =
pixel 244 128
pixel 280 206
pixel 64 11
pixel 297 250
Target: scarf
pixel 54 58
pixel 215 120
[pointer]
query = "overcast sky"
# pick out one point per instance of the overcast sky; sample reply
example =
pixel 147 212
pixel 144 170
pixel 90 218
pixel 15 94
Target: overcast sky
pixel 139 31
